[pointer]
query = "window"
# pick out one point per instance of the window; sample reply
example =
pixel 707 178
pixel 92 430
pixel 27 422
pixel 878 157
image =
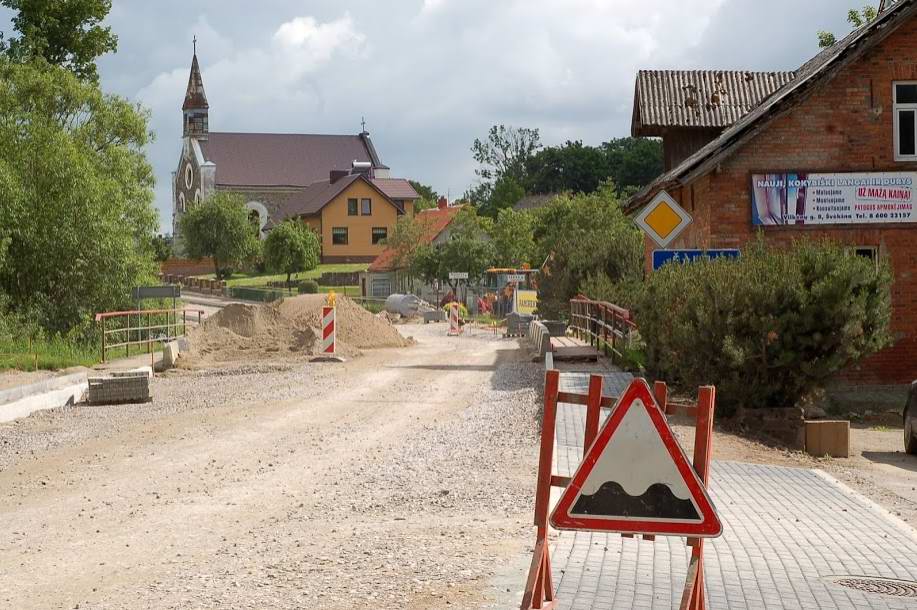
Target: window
pixel 367 207
pixel 339 236
pixel 867 252
pixel 352 207
pixel 906 121
pixel 379 234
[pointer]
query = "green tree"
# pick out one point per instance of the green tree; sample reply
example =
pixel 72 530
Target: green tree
pixel 67 33
pixel 856 18
pixel 630 163
pixel 633 162
pixel 572 167
pixel 583 237
pixel 513 238
pixel 162 248
pixel 506 194
pixel 406 238
pixel 428 196
pixel 459 254
pixel 76 195
pixel 292 247
pixel 505 152
pixel 219 228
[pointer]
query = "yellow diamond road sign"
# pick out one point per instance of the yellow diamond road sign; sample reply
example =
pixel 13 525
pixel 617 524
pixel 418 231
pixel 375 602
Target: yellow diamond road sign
pixel 663 219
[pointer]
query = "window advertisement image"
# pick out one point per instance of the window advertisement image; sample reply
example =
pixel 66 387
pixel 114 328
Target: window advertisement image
pixel 784 199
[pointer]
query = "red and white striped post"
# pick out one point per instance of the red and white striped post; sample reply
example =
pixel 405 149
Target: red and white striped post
pixel 455 328
pixel 328 330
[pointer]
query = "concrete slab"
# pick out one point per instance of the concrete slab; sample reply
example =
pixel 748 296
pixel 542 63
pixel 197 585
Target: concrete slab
pixel 50 393
pixel 790 535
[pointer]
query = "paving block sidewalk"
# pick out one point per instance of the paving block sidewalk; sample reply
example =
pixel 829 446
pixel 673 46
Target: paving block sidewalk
pixel 789 535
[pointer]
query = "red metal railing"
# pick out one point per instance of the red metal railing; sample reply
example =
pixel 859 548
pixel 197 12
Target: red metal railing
pixel 166 321
pixel 603 325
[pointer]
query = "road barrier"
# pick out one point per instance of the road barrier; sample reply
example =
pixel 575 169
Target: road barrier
pixel 540 337
pixel 142 328
pixel 328 332
pixel 602 325
pixel 539 587
pixel 455 327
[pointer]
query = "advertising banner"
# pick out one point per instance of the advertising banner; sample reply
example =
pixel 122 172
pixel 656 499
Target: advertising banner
pixel 832 199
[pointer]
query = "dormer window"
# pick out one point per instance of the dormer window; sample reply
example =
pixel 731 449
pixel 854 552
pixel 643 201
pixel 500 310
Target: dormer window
pixel 906 121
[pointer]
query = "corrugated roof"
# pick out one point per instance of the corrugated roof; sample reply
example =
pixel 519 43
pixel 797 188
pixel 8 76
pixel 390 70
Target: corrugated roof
pixel 435 222
pixel 271 159
pixel 823 65
pixel 712 99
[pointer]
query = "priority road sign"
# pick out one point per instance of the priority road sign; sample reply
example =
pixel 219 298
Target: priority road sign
pixel 636 479
pixel 663 219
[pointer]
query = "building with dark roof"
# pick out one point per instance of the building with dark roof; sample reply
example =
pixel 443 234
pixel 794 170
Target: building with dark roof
pixel 832 153
pixel 335 183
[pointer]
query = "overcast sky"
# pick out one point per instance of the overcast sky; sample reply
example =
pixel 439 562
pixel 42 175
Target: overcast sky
pixel 431 75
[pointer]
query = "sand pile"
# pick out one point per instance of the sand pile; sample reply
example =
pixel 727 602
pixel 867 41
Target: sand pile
pixel 284 330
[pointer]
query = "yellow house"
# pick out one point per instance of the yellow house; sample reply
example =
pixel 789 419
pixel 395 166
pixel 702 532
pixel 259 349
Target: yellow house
pixel 353 213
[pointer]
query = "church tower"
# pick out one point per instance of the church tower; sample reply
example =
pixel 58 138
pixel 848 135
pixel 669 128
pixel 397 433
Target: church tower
pixel 195 108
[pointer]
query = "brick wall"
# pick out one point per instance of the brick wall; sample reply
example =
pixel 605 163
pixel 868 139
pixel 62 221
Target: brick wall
pixel 845 125
pixel 186 267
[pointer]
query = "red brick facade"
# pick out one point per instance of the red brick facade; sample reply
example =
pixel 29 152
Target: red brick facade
pixel 845 125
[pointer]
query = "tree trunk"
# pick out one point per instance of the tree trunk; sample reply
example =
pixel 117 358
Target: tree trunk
pixel 216 269
pixel 289 287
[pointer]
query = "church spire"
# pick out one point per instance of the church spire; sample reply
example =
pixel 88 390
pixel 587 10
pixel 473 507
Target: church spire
pixel 195 108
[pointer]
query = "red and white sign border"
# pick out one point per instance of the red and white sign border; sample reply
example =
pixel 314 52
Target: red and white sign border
pixel 710 525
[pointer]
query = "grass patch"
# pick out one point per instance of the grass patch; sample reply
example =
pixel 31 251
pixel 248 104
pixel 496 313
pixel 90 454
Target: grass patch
pixel 262 279
pixel 45 354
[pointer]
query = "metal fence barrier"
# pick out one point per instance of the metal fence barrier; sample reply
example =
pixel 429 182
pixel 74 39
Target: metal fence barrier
pixel 143 328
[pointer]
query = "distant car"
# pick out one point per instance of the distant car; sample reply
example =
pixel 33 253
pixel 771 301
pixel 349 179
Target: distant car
pixel 910 421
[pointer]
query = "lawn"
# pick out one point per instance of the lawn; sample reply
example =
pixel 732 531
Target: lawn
pixel 262 279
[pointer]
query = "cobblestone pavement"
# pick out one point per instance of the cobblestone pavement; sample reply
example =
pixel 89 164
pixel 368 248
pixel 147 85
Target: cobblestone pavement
pixel 790 534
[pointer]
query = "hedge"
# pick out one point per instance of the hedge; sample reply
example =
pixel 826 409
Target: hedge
pixel 766 329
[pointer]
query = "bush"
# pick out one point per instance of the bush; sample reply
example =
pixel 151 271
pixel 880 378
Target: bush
pixel 766 329
pixel 308 287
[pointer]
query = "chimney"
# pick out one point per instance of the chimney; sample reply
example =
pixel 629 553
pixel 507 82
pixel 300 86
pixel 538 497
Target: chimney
pixel 337 174
pixel 443 203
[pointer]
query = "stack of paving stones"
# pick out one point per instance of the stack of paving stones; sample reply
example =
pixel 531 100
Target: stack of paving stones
pixel 121 388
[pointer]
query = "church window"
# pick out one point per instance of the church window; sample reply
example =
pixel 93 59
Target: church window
pixel 339 236
pixel 367 205
pixel 379 234
pixel 352 207
pixel 197 196
pixel 181 202
pixel 189 176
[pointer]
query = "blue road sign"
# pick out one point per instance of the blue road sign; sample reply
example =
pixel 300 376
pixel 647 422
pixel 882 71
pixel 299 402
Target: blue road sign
pixel 661 257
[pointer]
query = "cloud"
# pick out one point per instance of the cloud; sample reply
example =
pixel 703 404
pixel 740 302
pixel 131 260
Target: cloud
pixel 432 75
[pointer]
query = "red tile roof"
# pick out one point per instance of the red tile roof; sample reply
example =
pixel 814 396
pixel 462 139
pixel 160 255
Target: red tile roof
pixel 271 159
pixel 435 222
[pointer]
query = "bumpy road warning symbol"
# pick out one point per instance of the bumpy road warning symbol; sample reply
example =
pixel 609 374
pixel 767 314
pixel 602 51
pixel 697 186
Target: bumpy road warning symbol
pixel 636 479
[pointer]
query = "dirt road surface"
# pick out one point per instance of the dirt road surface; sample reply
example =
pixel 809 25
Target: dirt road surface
pixel 401 479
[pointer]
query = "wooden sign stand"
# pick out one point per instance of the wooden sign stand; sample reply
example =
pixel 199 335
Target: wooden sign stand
pixel 539 587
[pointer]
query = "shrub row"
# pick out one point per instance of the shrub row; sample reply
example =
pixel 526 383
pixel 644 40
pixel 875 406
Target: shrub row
pixel 768 328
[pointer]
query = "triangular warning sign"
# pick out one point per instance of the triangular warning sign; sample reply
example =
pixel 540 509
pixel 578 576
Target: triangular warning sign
pixel 636 479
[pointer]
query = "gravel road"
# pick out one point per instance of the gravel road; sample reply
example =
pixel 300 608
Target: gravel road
pixel 400 479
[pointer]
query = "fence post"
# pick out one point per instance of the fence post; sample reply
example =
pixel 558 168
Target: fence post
pixel 103 339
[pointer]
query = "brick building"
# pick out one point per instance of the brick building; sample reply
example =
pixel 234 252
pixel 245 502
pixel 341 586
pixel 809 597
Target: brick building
pixel 337 184
pixel 830 153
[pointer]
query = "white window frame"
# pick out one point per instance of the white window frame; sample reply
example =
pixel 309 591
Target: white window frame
pixel 897 107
